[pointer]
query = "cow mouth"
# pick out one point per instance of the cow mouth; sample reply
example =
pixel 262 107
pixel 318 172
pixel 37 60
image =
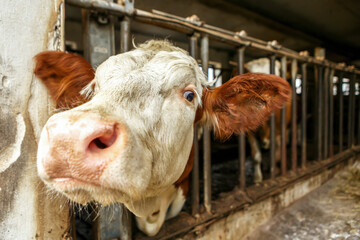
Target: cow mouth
pixel 84 192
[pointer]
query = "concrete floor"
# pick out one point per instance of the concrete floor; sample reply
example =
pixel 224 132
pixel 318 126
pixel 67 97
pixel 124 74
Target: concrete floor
pixel 330 212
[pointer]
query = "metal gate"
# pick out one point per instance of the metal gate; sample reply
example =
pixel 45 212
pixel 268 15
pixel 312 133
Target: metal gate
pixel 329 100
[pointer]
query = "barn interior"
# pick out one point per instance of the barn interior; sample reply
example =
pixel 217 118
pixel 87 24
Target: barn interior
pixel 297 25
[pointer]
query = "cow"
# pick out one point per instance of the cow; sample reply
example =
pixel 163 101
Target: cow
pixel 262 134
pixel 125 132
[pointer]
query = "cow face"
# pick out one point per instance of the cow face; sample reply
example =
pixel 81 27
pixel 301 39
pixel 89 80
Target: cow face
pixel 131 142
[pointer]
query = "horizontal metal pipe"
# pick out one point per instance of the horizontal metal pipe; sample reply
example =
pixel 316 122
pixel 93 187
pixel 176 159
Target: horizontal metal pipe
pixel 188 27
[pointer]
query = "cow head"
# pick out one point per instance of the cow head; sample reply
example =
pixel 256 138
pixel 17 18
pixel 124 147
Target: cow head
pixel 131 141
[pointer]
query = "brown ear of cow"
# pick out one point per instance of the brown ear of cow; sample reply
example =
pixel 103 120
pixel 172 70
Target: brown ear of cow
pixel 244 102
pixel 64 75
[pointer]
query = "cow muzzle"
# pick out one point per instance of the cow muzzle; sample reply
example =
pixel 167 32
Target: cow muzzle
pixel 77 147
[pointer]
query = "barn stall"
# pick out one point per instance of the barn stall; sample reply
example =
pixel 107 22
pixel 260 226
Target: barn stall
pixel 324 129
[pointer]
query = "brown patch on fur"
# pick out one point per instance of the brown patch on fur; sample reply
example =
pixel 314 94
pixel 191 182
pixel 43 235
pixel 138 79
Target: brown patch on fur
pixel 183 181
pixel 244 102
pixel 64 75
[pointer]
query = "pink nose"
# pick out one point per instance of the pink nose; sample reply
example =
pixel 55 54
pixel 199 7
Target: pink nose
pixel 79 147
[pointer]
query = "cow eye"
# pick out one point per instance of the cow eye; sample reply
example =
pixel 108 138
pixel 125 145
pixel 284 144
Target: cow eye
pixel 189 95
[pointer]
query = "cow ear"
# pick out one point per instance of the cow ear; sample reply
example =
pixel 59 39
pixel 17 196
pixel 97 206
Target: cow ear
pixel 244 102
pixel 64 75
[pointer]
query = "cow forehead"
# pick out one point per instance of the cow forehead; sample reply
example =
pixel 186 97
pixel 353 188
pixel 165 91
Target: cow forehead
pixel 152 70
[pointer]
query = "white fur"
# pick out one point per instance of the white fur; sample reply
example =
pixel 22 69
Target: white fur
pixel 262 65
pixel 142 91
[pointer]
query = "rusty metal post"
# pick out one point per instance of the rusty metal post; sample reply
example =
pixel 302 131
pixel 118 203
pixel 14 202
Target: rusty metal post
pixel 294 69
pixel 341 115
pixel 125 224
pixel 326 113
pixel 241 138
pixel 193 49
pixel 331 114
pixel 351 115
pixel 272 128
pixel 358 132
pixel 124 34
pixel 303 114
pixel 125 27
pixel 283 122
pixel 207 145
pixel 319 113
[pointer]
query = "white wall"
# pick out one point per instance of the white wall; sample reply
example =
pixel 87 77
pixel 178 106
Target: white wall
pixel 26 28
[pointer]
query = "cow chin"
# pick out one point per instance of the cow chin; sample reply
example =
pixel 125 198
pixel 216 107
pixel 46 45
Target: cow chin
pixel 83 193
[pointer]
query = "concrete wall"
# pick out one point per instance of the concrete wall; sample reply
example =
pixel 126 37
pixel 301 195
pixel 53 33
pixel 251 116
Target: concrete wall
pixel 26 212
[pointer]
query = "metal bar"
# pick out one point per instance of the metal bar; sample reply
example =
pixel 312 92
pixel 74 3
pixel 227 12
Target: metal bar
pixel 341 110
pixel 303 114
pixel 183 25
pixel 125 225
pixel 331 114
pixel 272 128
pixel 358 133
pixel 241 138
pixel 350 113
pixel 353 112
pixel 326 113
pixel 319 113
pixel 125 34
pixel 193 49
pixel 207 146
pixel 98 37
pixel 283 122
pixel 294 69
pixel 99 43
pixel 125 215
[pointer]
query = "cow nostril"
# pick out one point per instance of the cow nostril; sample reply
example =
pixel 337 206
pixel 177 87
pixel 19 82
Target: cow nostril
pixel 99 143
pixel 104 141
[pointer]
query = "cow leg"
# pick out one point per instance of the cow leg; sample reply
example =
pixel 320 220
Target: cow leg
pixel 151 224
pixel 256 156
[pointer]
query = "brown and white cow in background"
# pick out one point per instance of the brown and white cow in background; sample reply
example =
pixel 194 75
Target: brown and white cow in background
pixel 128 135
pixel 262 134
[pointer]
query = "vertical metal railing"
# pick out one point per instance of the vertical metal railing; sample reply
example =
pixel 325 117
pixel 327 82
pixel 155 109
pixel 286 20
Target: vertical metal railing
pixel 272 128
pixel 341 111
pixel 331 113
pixel 193 49
pixel 283 122
pixel 358 124
pixel 350 112
pixel 206 136
pixel 125 224
pixel 294 70
pixel 241 138
pixel 303 114
pixel 319 112
pixel 326 113
pixel 99 45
